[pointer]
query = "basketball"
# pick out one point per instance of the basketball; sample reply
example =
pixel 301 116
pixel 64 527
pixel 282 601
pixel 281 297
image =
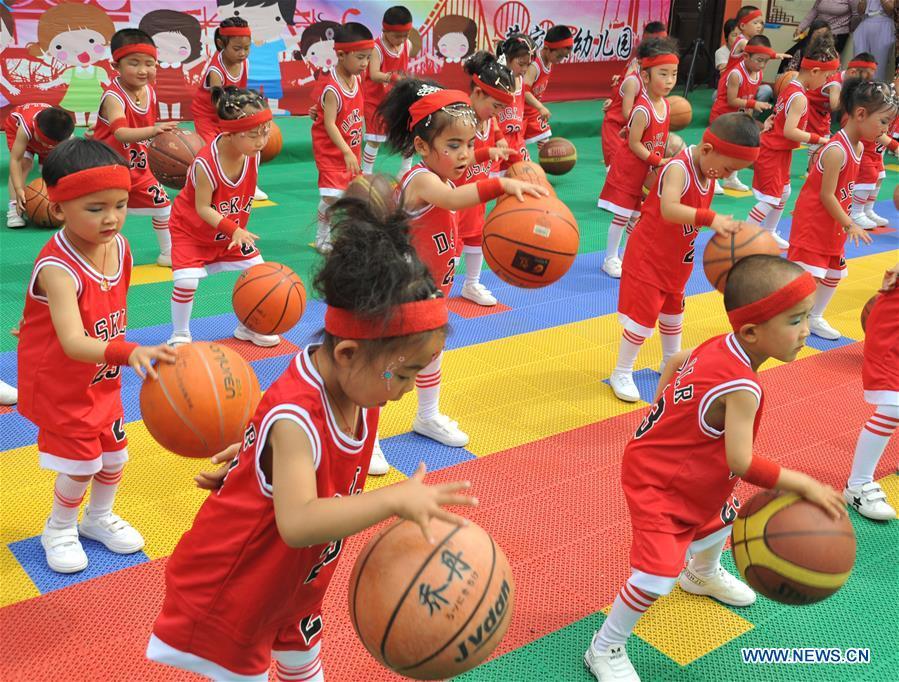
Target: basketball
pixel 722 253
pixel 37 204
pixel 681 113
pixel 378 191
pixel 783 79
pixel 170 155
pixel 273 145
pixel 269 298
pixel 431 611
pixel 558 156
pixel 674 145
pixel 530 243
pixel 869 306
pixel 790 550
pixel 202 403
pixel 528 171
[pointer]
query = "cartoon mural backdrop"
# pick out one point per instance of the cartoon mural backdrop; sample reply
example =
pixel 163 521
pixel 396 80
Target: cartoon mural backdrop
pixel 58 52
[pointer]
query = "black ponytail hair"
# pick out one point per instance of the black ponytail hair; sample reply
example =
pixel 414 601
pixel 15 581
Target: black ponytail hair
pixel 78 154
pixel 221 42
pixel 516 45
pixel 872 96
pixel 486 67
pixel 232 103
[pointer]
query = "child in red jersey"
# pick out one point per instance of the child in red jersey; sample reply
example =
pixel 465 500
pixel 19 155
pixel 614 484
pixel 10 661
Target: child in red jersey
pixel 647 133
pixel 389 62
pixel 515 52
pixel 209 222
pixel 72 348
pixel 880 379
pixel 557 45
pixel 127 122
pixel 679 471
pixel 660 253
pixel 821 221
pixel 245 584
pixel 337 131
pixel 31 130
pixel 440 126
pixel 750 23
pixel 784 131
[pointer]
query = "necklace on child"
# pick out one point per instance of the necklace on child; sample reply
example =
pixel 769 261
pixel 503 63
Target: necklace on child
pixel 104 280
pixel 349 426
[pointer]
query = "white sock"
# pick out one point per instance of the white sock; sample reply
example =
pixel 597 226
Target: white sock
pixel 324 227
pixel 103 489
pixel 872 441
pixel 630 604
pixel 474 258
pixel 616 230
pixel 163 236
pixel 670 330
pixel 67 497
pixel 824 291
pixel 369 155
pixel 759 213
pixel 705 563
pixel 629 229
pixel 859 199
pixel 627 351
pixel 405 165
pixel 427 385
pixel 299 666
pixel 183 304
pixel 13 207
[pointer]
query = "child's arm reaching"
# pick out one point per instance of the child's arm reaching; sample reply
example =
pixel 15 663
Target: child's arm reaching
pixel 831 162
pixel 792 131
pixel 203 204
pixel 374 70
pixel 427 188
pixel 111 110
pixel 530 77
pixel 329 114
pixel 629 91
pixel 737 102
pixel 16 155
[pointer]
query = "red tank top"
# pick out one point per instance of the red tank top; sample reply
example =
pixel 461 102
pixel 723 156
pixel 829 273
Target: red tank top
pixel 872 155
pixel 390 62
pixel 880 369
pixel 349 121
pixel 660 252
pixel 232 570
pixel 819 112
pixel 22 117
pixel 774 138
pixel 474 215
pixel 813 227
pixel 434 233
pixel 135 153
pixel 233 199
pixel 749 86
pixel 629 172
pixel 735 55
pixel 511 123
pixel 55 392
pixel 538 87
pixel 675 468
pixel 202 106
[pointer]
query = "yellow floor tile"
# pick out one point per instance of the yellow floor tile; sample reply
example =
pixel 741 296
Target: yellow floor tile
pixel 391 477
pixel 15 585
pixel 150 274
pixel 492 431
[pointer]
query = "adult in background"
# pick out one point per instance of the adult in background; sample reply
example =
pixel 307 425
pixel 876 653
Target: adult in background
pixel 815 30
pixel 876 34
pixel 838 14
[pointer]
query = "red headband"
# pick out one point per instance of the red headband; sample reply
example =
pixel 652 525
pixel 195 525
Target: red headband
pixel 89 181
pixel 559 44
pixel 496 93
pixel 808 64
pixel 659 60
pixel 235 31
pixel 141 48
pixel 397 28
pixel 862 65
pixel 760 49
pixel 735 151
pixel 356 46
pixel 407 318
pixel 245 123
pixel 775 303
pixel 754 14
pixel 43 139
pixel 435 101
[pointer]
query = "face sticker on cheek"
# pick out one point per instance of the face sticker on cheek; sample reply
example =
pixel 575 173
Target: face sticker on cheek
pixel 387 375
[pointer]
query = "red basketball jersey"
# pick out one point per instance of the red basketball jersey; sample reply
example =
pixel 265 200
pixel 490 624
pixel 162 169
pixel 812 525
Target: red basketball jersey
pixel 350 106
pixel 813 227
pixel 613 118
pixel 819 112
pixel 434 233
pixel 511 123
pixel 23 117
pixel 880 369
pixel 774 138
pixel 233 199
pixel 539 85
pixel 736 54
pixel 675 471
pixel 135 153
pixel 749 86
pixel 872 162
pixel 55 392
pixel 390 62
pixel 628 172
pixel 471 220
pixel 661 252
pixel 232 570
pixel 202 107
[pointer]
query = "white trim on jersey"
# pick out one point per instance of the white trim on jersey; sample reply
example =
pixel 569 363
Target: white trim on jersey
pixel 206 169
pixel 890 398
pixel 299 416
pixel 723 389
pixel 221 171
pixel 22 125
pixel 130 102
pixel 159 651
pixel 737 349
pixel 55 262
pixel 63 243
pixel 792 97
pixel 110 93
pixel 832 143
pixel 687 173
pixel 216 267
pixel 418 168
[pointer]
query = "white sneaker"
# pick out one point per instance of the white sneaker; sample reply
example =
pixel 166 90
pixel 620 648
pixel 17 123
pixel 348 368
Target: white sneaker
pixel 722 586
pixel 478 293
pixel 179 339
pixel 13 219
pixel 63 549
pixel 8 394
pixel 870 501
pixel 612 665
pixel 733 182
pixel 259 195
pixel 113 531
pixel 164 260
pixel 782 243
pixel 623 386
pixel 323 242
pixel 442 429
pixel 878 220
pixel 261 340
pixel 863 221
pixel 819 327
pixel 718 188
pixel 612 266
pixel 378 466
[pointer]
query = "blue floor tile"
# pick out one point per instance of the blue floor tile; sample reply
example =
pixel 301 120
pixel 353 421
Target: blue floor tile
pixel 405 451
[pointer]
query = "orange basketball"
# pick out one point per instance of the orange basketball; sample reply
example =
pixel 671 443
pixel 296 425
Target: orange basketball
pixel 37 204
pixel 269 298
pixel 431 611
pixel 869 306
pixel 378 191
pixel 201 404
pixel 530 243
pixel 681 113
pixel 722 253
pixel 558 156
pixel 783 79
pixel 170 155
pixel 528 171
pixel 274 144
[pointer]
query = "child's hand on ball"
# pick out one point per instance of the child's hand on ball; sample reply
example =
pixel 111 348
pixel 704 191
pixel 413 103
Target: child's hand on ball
pixel 419 503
